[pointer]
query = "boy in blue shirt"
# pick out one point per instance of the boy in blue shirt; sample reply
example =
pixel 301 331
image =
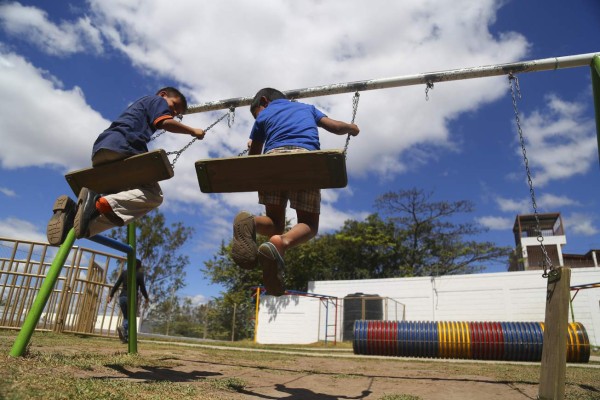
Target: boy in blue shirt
pixel 281 126
pixel 128 135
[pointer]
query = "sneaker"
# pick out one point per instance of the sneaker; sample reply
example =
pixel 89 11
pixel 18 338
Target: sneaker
pixel 62 220
pixel 273 268
pixel 121 333
pixel 244 250
pixel 86 211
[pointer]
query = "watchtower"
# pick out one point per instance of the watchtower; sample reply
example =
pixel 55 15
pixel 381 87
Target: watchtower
pixel 527 239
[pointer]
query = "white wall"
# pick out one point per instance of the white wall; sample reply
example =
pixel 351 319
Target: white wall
pixel 504 296
pixel 288 320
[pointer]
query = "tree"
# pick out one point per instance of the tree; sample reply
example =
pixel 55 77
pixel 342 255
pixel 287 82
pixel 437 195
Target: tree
pixel 157 246
pixel 238 283
pixel 417 237
pixel 436 245
pixel 177 317
pixel 359 250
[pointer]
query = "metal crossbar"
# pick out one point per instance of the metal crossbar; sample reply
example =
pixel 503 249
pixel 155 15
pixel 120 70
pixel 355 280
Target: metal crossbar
pixel 428 78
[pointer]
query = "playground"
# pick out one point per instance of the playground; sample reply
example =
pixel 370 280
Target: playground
pixel 211 371
pixel 70 366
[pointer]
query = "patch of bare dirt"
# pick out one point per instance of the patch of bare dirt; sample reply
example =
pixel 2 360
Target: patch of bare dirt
pixel 321 377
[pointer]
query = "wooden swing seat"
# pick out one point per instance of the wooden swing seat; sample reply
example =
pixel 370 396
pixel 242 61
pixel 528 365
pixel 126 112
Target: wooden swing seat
pixel 280 171
pixel 124 174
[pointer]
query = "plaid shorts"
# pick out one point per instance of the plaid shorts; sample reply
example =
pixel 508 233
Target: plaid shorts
pixel 301 200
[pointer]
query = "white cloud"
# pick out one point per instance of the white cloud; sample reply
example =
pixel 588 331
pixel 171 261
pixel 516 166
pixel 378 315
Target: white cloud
pixel 521 206
pixel 546 202
pixel 14 228
pixel 32 24
pixel 198 299
pixel 8 192
pixel 550 202
pixel 496 223
pixel 560 142
pixel 215 54
pixel 230 56
pixel 43 124
pixel 579 223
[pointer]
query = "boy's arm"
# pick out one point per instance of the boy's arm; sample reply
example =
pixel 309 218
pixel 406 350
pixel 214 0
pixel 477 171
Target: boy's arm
pixel 174 126
pixel 254 147
pixel 338 127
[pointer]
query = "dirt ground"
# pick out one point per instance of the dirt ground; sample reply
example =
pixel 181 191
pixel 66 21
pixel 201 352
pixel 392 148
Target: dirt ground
pixel 219 372
pixel 295 376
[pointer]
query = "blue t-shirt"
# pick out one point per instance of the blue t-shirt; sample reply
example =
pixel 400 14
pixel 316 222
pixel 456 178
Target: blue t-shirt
pixel 287 123
pixel 130 133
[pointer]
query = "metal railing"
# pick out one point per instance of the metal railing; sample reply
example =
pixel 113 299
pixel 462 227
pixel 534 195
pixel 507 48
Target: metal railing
pixel 77 303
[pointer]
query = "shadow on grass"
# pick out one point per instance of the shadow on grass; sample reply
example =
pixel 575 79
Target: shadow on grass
pixel 360 375
pixel 301 394
pixel 159 374
pixel 297 393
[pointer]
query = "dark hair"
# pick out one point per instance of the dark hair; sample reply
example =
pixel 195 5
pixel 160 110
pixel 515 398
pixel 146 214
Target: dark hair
pixel 172 92
pixel 138 263
pixel 270 93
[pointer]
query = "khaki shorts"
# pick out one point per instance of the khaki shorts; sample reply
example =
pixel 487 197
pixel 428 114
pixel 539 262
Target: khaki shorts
pixel 300 200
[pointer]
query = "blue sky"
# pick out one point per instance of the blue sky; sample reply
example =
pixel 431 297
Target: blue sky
pixel 68 68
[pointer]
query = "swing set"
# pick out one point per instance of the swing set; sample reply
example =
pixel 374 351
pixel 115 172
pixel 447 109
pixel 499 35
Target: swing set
pixel 327 169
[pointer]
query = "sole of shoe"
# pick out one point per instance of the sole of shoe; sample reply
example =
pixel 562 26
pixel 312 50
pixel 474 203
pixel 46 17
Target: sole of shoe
pixel 61 221
pixel 81 223
pixel 244 250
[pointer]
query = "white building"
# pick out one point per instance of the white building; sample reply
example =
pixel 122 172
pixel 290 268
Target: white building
pixel 505 296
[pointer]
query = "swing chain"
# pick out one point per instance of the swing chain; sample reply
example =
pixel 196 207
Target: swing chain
pixel 231 117
pixel 515 91
pixel 428 87
pixel 354 109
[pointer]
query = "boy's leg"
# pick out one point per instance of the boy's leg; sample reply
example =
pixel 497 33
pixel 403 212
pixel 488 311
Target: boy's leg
pixel 269 258
pixel 306 228
pixel 273 223
pixel 133 204
pixel 244 250
pixel 124 329
pixel 96 214
pixel 308 206
pixel 270 254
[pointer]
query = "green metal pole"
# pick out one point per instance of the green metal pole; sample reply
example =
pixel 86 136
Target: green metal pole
pixel 33 317
pixel 596 90
pixel 132 290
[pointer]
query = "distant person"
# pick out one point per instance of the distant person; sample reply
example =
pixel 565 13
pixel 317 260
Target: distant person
pixel 281 126
pixel 123 330
pixel 128 135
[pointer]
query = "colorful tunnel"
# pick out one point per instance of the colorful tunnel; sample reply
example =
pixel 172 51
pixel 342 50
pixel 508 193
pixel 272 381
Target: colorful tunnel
pixel 509 341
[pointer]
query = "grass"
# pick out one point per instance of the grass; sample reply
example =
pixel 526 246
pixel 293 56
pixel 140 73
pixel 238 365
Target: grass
pixel 63 366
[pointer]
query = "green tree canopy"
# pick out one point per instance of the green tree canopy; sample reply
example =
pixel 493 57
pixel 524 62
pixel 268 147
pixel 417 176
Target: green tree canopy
pixel 417 237
pixel 435 244
pixel 412 235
